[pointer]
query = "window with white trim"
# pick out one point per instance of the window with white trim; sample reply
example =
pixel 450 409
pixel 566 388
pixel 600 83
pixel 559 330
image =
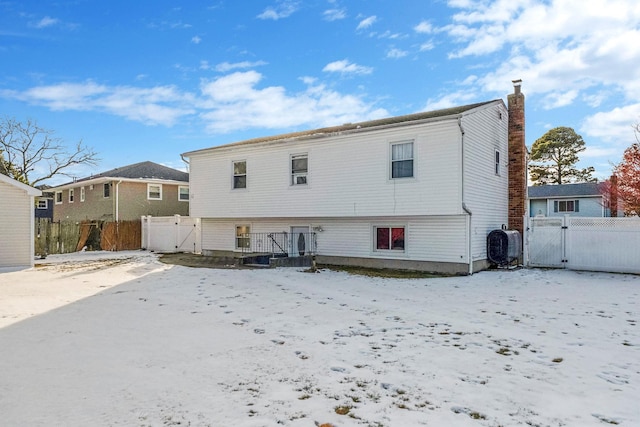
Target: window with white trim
pixel 71 195
pixel 563 206
pixel 389 238
pixel 106 190
pixel 299 169
pixel 43 204
pixel 183 193
pixel 243 239
pixel 58 197
pixel 240 174
pixel 82 194
pixel 154 191
pixel 402 159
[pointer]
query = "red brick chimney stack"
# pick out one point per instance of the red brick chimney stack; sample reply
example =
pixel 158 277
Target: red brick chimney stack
pixel 517 160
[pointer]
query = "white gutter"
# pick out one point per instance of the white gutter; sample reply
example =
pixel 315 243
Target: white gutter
pixel 464 205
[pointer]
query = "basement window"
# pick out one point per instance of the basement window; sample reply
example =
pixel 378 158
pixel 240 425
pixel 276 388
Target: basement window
pixel 389 238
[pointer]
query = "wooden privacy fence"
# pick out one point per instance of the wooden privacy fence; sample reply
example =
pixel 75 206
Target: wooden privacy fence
pixel 69 236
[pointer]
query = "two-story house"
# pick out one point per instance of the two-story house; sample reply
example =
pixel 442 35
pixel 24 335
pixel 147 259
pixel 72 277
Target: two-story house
pixel 124 193
pixel 419 191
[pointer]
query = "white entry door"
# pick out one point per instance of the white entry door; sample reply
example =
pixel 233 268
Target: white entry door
pixel 299 244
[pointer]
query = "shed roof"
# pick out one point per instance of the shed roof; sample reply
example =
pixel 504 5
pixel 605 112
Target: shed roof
pixel 565 190
pixel 24 187
pixel 358 127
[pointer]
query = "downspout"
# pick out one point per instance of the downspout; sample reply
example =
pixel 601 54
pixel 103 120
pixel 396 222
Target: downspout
pixel 117 200
pixel 464 205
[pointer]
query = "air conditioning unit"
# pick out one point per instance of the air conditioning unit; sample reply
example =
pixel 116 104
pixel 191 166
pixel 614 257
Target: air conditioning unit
pixel 504 247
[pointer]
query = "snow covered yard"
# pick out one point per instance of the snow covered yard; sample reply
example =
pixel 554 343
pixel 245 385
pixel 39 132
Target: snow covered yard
pixel 120 339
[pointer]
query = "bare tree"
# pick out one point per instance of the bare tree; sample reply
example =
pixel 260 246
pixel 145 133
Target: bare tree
pixel 31 154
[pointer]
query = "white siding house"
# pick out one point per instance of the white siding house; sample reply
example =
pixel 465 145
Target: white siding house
pixel 16 223
pixel 420 191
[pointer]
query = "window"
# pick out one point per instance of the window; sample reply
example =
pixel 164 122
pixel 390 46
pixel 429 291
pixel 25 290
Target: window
pixel 402 160
pixel 58 197
pixel 154 191
pixel 566 206
pixel 43 204
pixel 243 240
pixel 71 195
pixel 389 238
pixel 82 194
pixel 183 193
pixel 106 190
pixel 299 169
pixel 240 174
pixel 497 162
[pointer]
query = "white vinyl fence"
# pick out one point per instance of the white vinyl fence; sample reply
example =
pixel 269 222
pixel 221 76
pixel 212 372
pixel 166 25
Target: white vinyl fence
pixel 171 234
pixel 578 243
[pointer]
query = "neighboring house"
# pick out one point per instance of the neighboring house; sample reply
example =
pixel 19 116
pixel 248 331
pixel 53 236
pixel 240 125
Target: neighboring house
pixel 420 191
pixel 44 203
pixel 16 223
pixel 583 199
pixel 124 193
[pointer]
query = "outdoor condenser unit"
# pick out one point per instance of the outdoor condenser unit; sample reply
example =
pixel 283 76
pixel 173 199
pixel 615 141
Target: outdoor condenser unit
pixel 504 246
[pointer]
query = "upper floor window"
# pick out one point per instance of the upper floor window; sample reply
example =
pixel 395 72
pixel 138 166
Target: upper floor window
pixel 58 197
pixel 566 206
pixel 71 195
pixel 106 189
pixel 389 238
pixel 183 193
pixel 497 162
pixel 402 160
pixel 82 194
pixel 299 169
pixel 240 174
pixel 154 191
pixel 43 204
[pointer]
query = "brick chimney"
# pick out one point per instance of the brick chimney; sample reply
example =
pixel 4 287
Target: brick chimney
pixel 517 160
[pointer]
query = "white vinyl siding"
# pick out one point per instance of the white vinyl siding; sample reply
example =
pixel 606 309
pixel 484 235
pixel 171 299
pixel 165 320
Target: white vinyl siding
pixel 350 177
pixel 486 194
pixel 16 214
pixel 437 239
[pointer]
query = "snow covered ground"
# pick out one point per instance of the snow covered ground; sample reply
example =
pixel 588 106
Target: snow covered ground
pixel 120 339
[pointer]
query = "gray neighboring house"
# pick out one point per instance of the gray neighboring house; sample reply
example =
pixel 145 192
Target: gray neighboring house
pixel 582 199
pixel 123 194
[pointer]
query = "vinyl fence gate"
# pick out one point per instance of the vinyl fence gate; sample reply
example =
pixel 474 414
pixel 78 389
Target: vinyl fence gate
pixel 171 234
pixel 581 243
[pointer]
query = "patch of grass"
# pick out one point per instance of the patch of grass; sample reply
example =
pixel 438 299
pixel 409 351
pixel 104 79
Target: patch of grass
pixel 504 351
pixel 477 415
pixel 557 360
pixel 386 272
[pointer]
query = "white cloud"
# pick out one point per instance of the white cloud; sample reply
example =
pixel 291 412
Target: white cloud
pixel 225 67
pixel 160 105
pixel 567 46
pixel 615 126
pixel 427 46
pixel 283 9
pixel 196 40
pixel 450 100
pixel 423 27
pixel 396 53
pixel 235 102
pixel 366 23
pixel 334 14
pixel 46 22
pixel 346 67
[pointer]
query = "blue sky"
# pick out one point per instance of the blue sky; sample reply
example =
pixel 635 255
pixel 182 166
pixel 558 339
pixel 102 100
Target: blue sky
pixel 150 80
